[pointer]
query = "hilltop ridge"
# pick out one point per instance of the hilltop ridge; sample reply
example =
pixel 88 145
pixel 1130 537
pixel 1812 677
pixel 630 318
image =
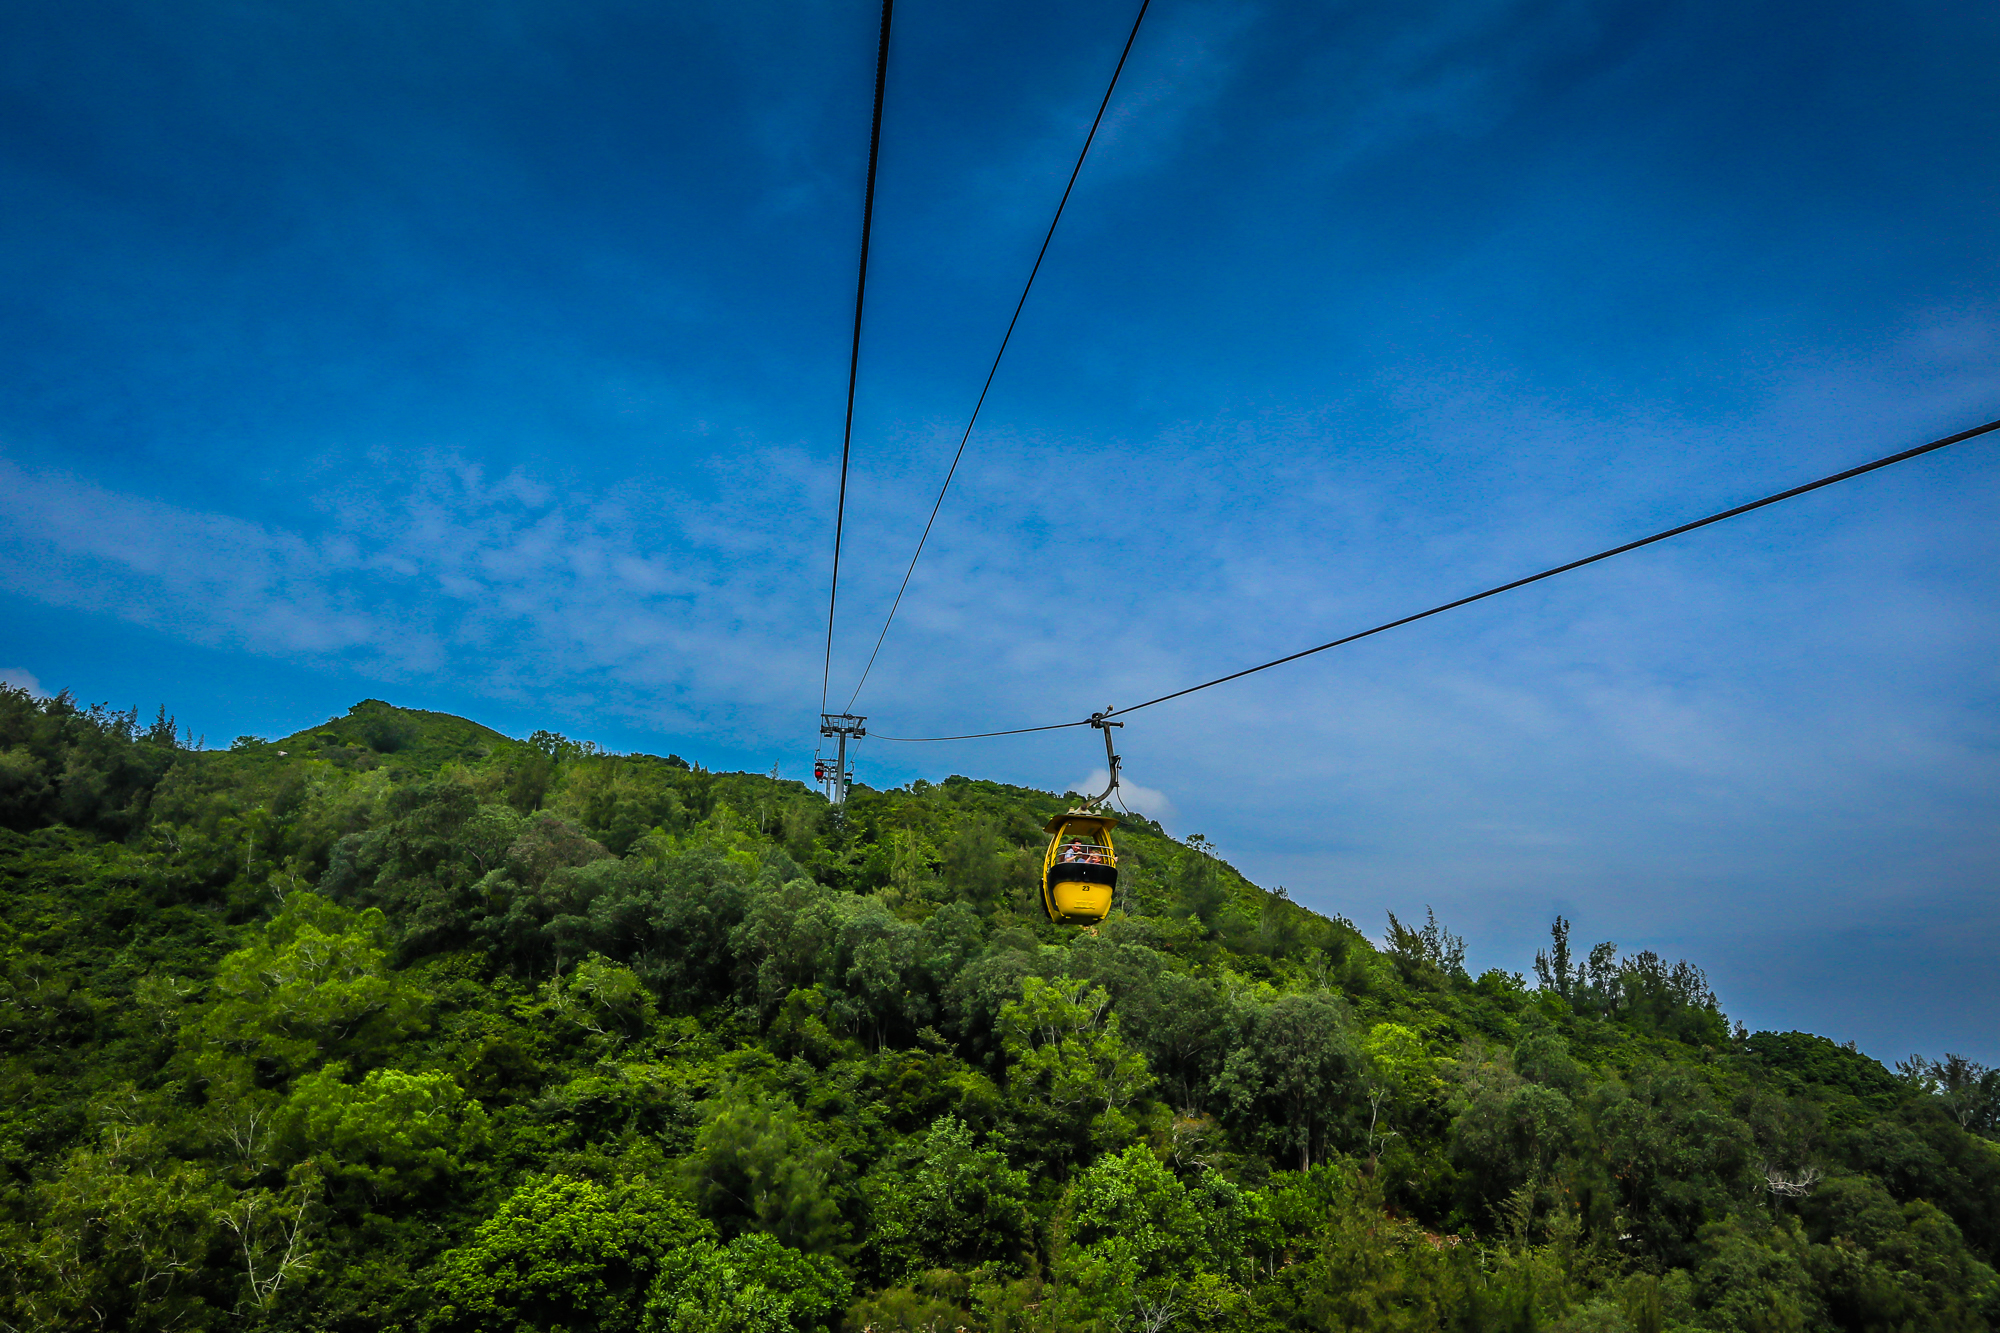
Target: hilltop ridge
pixel 399 1022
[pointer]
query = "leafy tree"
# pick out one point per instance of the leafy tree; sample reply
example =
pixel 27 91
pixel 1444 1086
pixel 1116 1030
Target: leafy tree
pixel 758 1167
pixel 1428 955
pixel 562 1253
pixel 90 768
pixel 787 929
pixel 621 800
pixel 1073 1081
pixel 1139 1244
pixel 666 913
pixel 800 1030
pixel 392 1132
pixel 271 1234
pixel 945 1202
pixel 872 949
pixel 1798 1062
pixel 120 1238
pixel 988 984
pixel 1293 1084
pixel 1506 1139
pixel 1397 1073
pixel 313 986
pixel 1968 1090
pixel 1353 1272
pixel 946 941
pixel 1756 1278
pixel 974 862
pixel 1678 1158
pixel 751 1285
pixel 1197 885
pixel 1542 1056
pixel 1675 1000
pixel 385 727
pixel 418 866
pixel 603 999
pixel 1553 968
pixel 1183 1026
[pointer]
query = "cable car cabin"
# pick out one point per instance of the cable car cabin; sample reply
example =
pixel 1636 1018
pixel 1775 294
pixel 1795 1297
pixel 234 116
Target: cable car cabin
pixel 1080 872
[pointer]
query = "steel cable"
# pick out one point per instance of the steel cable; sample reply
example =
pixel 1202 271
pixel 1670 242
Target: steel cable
pixel 1852 472
pixel 854 356
pixel 994 369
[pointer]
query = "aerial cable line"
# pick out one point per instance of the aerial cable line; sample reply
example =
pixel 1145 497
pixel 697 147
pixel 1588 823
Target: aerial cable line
pixel 854 356
pixel 1852 472
pixel 982 735
pixel 1007 337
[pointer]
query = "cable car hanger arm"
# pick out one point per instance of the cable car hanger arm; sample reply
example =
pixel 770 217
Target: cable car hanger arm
pixel 1102 721
pixel 1096 719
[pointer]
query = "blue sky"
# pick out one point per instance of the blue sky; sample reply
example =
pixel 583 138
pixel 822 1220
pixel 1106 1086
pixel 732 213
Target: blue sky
pixel 490 358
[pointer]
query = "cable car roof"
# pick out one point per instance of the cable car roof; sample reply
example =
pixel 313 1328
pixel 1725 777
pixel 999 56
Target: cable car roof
pixel 1086 819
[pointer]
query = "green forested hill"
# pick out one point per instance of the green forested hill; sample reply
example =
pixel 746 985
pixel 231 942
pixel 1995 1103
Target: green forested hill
pixel 400 1024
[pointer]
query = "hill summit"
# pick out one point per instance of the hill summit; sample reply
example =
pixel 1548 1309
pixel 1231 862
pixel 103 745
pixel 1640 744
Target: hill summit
pixel 400 1023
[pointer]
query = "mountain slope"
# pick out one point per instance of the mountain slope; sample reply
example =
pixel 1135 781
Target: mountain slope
pixel 401 1023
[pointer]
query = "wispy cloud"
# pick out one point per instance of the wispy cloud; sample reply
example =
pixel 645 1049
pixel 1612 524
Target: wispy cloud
pixel 206 576
pixel 20 679
pixel 635 600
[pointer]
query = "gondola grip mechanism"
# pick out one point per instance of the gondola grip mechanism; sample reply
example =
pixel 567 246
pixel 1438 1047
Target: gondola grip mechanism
pixel 1102 721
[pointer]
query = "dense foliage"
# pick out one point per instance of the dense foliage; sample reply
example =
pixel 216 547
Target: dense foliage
pixel 399 1023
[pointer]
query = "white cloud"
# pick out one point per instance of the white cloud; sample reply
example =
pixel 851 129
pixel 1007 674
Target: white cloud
pixel 20 679
pixel 1140 800
pixel 636 600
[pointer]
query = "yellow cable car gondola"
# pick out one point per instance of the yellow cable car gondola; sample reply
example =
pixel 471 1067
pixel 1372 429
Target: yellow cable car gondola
pixel 1080 872
pixel 1080 869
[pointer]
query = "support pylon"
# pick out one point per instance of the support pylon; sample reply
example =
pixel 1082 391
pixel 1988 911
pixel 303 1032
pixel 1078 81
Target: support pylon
pixel 842 725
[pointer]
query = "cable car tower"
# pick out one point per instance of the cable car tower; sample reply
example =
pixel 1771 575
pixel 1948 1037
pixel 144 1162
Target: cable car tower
pixel 841 725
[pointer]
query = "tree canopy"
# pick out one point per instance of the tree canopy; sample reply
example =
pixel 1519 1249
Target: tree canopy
pixel 398 1023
